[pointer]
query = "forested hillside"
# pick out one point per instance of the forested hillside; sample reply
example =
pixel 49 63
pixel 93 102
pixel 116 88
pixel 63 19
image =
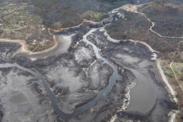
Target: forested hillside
pixel 67 13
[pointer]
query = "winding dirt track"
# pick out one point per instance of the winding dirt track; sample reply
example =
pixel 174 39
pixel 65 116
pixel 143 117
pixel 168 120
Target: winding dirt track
pixel 133 8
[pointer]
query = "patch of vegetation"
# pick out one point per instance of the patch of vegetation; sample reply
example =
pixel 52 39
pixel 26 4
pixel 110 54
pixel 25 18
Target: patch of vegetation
pixel 178 68
pixel 168 72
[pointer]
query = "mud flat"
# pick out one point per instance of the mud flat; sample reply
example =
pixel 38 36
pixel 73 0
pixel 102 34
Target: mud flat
pixel 89 82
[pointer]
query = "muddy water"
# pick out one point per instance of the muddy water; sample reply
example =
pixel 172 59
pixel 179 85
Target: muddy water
pixel 143 95
pixel 148 89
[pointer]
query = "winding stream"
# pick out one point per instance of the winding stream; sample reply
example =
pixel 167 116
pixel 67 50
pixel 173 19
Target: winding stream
pixel 101 94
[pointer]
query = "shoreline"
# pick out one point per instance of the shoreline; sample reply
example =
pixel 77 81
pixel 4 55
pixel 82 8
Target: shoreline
pixel 61 45
pixel 24 48
pixel 73 27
